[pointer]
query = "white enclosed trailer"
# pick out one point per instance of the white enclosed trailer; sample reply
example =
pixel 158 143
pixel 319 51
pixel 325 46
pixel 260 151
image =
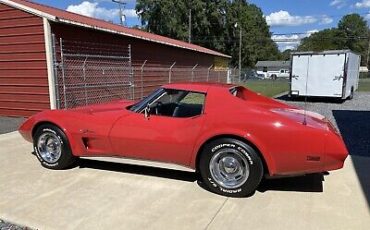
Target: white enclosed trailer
pixel 332 73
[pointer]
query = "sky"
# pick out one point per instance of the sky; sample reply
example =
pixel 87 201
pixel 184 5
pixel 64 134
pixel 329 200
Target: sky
pixel 289 20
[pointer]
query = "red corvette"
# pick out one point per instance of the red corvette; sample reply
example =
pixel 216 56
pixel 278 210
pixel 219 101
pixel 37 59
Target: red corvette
pixel 230 135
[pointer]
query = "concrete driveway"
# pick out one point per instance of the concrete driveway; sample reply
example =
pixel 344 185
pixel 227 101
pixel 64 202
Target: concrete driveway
pixel 100 195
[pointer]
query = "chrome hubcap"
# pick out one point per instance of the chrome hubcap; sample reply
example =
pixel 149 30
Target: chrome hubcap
pixel 229 168
pixel 49 147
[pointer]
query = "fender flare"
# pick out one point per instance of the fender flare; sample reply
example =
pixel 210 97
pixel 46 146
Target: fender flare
pixel 246 137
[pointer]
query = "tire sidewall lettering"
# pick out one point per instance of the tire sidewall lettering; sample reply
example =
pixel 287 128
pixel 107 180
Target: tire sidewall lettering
pixel 234 146
pixel 238 148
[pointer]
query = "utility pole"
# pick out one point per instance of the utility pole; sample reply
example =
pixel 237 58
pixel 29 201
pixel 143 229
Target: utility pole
pixel 240 50
pixel 240 53
pixel 368 53
pixel 190 26
pixel 121 5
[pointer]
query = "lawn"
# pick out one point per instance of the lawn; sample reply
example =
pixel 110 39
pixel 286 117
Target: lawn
pixel 271 88
pixel 364 85
pixel 268 88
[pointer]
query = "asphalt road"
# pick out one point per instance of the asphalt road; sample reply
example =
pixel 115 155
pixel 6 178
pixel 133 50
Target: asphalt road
pixel 120 195
pixel 9 124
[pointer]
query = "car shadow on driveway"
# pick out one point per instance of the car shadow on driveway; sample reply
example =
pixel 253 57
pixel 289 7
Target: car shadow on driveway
pixel 308 183
pixel 355 129
pixel 138 169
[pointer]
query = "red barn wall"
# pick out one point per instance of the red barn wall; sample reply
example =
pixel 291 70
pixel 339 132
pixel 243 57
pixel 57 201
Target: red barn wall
pixel 141 49
pixel 23 71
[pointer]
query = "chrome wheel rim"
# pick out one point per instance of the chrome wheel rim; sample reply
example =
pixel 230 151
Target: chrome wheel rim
pixel 49 147
pixel 229 168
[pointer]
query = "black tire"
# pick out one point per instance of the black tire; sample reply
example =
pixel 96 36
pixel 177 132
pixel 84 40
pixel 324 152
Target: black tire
pixel 352 94
pixel 230 148
pixel 65 159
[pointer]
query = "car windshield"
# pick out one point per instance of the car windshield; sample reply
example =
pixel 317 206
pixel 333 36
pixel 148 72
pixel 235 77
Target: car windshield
pixel 145 101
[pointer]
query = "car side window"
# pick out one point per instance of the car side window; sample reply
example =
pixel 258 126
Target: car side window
pixel 178 103
pixel 191 105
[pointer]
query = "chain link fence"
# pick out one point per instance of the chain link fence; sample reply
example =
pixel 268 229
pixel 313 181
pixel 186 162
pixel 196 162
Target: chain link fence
pixel 88 73
pixel 150 75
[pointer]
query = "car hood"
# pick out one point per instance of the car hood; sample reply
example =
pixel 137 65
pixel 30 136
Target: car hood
pixel 106 107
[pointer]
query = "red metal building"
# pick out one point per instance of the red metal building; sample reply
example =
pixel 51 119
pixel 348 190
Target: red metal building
pixel 27 81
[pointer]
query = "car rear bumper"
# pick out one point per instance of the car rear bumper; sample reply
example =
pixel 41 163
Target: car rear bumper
pixel 335 152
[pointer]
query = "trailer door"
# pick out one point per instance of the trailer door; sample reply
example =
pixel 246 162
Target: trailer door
pixel 325 75
pixel 300 65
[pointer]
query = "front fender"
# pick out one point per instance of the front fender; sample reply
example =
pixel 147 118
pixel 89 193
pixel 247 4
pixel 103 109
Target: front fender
pixel 51 117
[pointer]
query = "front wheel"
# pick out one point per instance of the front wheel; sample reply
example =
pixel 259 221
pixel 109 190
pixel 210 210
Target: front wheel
pixel 52 148
pixel 230 167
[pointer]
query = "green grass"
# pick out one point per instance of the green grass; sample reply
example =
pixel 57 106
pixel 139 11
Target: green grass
pixel 364 85
pixel 268 88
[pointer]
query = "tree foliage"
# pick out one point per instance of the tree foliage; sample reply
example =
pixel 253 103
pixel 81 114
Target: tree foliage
pixel 327 39
pixel 351 33
pixel 213 26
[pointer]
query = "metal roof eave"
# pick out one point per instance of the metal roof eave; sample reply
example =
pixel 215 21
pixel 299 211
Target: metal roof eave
pixel 134 36
pixel 61 20
pixel 29 9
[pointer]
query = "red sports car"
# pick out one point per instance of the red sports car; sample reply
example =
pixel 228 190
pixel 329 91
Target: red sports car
pixel 228 134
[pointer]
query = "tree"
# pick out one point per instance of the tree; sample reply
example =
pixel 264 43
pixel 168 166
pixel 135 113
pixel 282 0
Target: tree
pixel 352 33
pixel 213 26
pixel 170 18
pixel 285 55
pixel 356 34
pixel 328 39
pixel 256 37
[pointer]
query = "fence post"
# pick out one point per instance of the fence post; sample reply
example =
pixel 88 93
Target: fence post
pixel 63 72
pixel 234 74
pixel 228 76
pixel 142 78
pixel 170 72
pixel 132 80
pixel 209 70
pixel 84 73
pixel 56 65
pixel 192 72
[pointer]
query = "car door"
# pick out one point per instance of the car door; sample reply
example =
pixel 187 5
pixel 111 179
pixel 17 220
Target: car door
pixel 169 137
pixel 158 138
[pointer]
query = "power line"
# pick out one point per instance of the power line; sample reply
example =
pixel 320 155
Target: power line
pixel 121 4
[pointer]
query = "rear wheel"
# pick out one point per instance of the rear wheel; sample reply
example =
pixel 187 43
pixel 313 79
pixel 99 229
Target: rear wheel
pixel 352 93
pixel 52 148
pixel 230 167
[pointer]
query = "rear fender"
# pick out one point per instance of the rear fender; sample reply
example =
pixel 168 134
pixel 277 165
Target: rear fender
pixel 248 137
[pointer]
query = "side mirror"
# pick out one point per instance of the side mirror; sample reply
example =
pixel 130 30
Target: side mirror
pixel 147 112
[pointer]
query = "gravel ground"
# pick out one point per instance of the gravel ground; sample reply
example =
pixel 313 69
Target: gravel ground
pixel 9 124
pixel 351 117
pixel 8 226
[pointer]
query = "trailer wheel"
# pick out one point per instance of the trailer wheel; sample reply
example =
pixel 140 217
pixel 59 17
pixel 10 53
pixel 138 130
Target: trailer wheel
pixel 352 93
